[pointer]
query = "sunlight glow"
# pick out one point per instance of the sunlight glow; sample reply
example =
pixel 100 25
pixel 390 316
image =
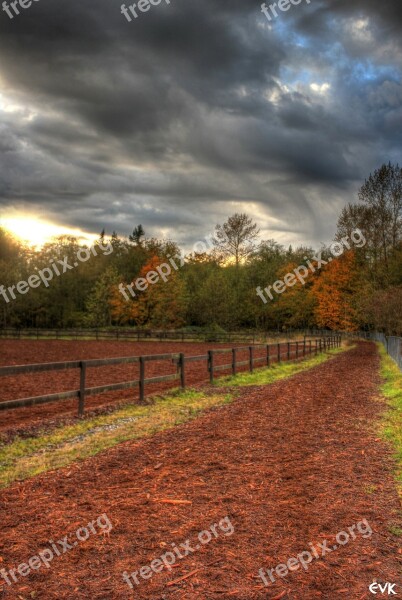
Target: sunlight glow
pixel 37 232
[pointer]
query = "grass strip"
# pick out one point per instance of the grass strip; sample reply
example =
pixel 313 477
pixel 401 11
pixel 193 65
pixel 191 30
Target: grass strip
pixel 278 371
pixel 28 457
pixel 392 419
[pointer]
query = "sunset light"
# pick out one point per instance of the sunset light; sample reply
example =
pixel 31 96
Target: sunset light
pixel 37 232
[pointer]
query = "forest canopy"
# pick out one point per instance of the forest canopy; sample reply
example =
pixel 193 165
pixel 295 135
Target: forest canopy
pixel 361 289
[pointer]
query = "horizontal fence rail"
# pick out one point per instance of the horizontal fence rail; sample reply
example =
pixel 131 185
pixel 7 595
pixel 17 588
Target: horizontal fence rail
pixel 155 334
pixel 281 351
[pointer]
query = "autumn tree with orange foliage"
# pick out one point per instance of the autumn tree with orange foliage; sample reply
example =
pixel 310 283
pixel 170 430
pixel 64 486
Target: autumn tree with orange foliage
pixel 161 304
pixel 334 291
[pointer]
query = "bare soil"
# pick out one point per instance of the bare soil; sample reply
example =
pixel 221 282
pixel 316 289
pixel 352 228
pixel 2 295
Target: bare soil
pixel 290 464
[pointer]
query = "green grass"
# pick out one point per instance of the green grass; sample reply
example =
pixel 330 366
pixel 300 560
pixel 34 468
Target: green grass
pixel 395 530
pixel 28 457
pixel 392 421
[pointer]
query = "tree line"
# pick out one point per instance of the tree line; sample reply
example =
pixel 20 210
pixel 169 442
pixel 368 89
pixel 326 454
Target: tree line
pixel 361 289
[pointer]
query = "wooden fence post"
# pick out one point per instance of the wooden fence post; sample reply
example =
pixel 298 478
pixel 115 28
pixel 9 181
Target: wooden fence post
pixel 304 347
pixel 233 361
pixel 297 350
pixel 268 356
pixel 142 380
pixel 81 402
pixel 251 351
pixel 182 371
pixel 211 365
pixel 288 350
pixel 279 352
pixel 311 351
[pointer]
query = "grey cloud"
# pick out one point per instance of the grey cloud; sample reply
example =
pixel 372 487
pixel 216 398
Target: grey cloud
pixel 196 110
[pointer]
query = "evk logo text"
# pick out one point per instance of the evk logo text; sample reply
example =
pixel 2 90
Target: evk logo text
pixel 382 588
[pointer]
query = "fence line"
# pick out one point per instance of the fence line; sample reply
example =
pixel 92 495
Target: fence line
pixel 391 343
pixel 154 334
pixel 394 349
pixel 178 359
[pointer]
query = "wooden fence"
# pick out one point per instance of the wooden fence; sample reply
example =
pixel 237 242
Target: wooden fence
pixel 154 334
pixel 302 348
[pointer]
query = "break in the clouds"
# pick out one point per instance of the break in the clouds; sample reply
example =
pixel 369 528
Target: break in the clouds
pixel 196 110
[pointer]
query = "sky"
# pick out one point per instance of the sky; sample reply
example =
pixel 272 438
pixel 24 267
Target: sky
pixel 196 110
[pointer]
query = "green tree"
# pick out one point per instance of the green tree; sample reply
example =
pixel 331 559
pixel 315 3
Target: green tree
pixel 137 235
pixel 99 302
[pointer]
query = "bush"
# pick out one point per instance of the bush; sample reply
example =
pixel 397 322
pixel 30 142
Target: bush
pixel 214 333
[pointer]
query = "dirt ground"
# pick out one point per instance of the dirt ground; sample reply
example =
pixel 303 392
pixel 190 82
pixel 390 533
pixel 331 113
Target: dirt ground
pixel 20 352
pixel 289 465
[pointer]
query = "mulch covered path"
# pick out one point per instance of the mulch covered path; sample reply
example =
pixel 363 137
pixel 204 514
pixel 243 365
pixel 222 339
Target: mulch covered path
pixel 290 464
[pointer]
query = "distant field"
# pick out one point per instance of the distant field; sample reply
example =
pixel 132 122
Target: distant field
pixel 19 352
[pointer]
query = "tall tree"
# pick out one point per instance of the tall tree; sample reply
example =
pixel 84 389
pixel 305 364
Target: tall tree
pixel 100 311
pixel 335 291
pixel 382 191
pixel 137 235
pixel 236 238
pixel 379 216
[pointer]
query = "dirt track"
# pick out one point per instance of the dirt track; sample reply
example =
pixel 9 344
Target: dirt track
pixel 289 464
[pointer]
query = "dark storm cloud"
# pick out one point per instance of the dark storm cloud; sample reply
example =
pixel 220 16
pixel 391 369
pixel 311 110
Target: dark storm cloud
pixel 197 110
